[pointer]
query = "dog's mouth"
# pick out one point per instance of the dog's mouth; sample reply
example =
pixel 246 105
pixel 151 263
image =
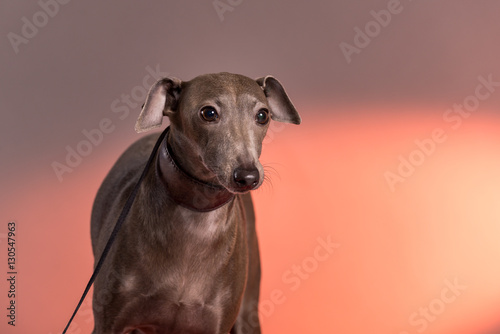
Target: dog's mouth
pixel 240 181
pixel 237 180
pixel 240 190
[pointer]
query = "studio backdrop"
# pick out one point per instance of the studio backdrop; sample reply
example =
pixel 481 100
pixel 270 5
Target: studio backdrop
pixel 381 211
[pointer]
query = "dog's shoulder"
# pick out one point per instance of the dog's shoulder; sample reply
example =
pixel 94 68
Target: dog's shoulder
pixel 130 164
pixel 136 154
pixel 122 177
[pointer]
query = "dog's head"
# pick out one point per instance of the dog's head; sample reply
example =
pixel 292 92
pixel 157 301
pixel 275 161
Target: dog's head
pixel 218 122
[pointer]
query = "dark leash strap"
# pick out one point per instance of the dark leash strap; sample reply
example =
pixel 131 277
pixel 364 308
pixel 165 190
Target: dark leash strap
pixel 117 227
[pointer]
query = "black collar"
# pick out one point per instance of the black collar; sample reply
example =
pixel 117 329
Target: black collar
pixel 184 189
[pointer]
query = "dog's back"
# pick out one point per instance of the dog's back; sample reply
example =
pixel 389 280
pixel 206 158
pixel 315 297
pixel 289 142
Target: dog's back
pixel 115 188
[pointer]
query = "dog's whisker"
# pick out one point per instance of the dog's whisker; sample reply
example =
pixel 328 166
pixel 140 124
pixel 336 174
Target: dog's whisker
pixel 270 173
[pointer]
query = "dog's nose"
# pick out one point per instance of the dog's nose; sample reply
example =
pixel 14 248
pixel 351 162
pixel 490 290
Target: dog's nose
pixel 246 179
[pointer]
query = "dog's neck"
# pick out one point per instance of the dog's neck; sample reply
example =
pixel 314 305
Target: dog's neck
pixel 186 190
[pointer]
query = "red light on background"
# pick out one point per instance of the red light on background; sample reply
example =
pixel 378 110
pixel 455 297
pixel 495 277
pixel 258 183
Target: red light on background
pixel 397 250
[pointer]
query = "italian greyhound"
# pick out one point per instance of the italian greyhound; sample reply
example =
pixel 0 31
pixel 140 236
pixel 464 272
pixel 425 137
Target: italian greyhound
pixel 187 259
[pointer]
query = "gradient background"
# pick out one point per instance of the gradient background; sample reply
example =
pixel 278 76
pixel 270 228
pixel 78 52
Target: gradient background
pixel 397 248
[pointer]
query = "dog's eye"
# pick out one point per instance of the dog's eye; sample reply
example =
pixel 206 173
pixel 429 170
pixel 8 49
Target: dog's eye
pixel 262 116
pixel 209 114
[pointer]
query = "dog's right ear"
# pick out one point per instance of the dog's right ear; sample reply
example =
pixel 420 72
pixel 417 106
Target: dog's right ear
pixel 162 100
pixel 282 109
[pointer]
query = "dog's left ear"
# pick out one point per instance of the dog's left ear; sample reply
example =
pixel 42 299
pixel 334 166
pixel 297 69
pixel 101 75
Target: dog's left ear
pixel 162 100
pixel 282 109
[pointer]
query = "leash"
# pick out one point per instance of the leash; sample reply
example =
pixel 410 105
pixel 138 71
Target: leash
pixel 116 229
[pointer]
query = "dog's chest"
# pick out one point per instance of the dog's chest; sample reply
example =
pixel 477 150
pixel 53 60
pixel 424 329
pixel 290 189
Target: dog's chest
pixel 188 252
pixel 190 284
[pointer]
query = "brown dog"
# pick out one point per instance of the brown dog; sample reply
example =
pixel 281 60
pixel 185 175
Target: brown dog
pixel 187 258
